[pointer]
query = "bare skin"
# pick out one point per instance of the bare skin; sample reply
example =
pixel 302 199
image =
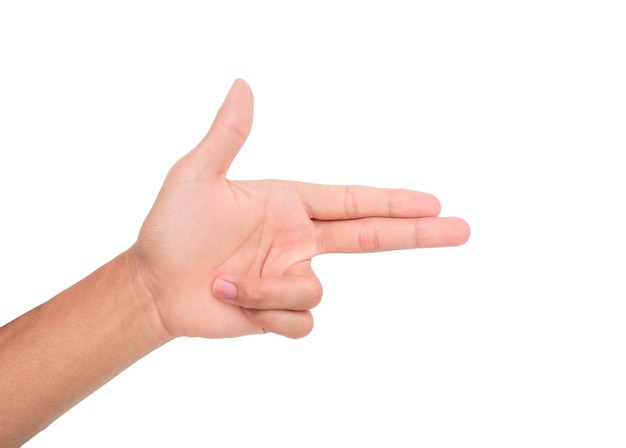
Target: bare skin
pixel 215 258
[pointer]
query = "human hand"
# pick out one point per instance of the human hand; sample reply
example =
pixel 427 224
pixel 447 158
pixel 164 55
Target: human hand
pixel 227 258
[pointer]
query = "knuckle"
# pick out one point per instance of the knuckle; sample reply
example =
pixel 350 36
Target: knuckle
pixel 369 238
pixel 251 296
pixel 305 326
pixel 315 293
pixel 350 203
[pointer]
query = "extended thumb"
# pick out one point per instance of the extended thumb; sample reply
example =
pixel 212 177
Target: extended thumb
pixel 229 131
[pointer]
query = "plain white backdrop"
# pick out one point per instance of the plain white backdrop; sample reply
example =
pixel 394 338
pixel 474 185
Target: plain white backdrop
pixel 512 113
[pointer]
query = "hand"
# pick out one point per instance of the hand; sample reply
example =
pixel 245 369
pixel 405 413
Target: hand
pixel 226 258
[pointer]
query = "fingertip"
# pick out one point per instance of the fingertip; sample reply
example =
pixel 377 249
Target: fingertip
pixel 411 204
pixel 434 204
pixel 241 83
pixel 238 107
pixel 241 90
pixel 224 289
pixel 462 231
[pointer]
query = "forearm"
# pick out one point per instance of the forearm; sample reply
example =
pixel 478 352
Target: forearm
pixel 58 353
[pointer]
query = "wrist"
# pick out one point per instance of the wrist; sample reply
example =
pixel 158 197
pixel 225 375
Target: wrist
pixel 144 302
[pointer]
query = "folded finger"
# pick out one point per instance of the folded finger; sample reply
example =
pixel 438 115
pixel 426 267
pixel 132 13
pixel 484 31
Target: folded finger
pixel 292 324
pixel 287 292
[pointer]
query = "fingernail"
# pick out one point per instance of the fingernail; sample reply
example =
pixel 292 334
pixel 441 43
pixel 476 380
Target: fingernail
pixel 224 289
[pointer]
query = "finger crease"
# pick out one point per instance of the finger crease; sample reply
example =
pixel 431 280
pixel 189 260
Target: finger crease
pixel 350 203
pixel 369 239
pixel 416 231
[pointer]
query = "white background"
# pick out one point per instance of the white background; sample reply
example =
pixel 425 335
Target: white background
pixel 512 113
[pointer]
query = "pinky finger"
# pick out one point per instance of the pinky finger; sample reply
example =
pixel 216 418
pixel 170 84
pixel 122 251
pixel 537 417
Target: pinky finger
pixel 292 324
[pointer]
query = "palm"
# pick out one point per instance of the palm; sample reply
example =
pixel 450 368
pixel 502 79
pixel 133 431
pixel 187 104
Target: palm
pixel 280 234
pixel 257 229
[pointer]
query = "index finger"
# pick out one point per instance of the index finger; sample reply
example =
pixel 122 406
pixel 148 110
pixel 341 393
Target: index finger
pixel 337 202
